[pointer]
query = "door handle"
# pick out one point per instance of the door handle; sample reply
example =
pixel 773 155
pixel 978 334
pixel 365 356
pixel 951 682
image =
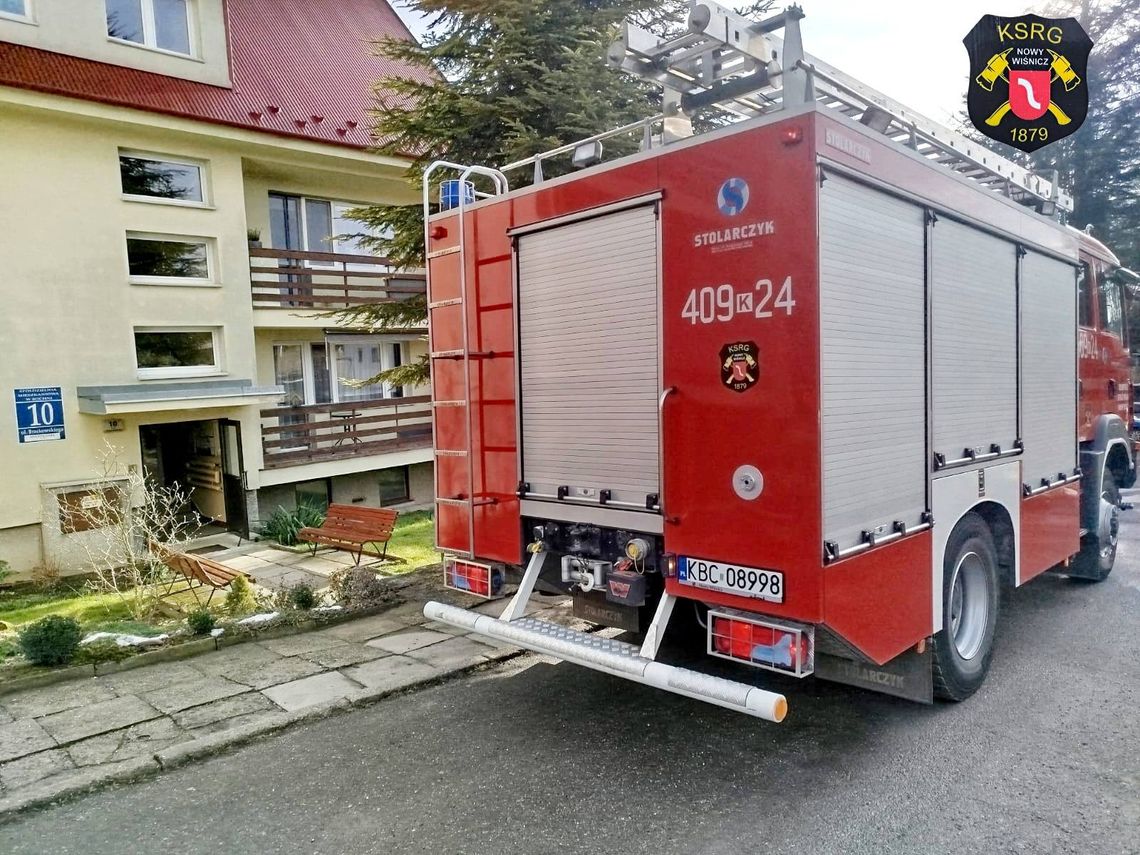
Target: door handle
pixel 665 393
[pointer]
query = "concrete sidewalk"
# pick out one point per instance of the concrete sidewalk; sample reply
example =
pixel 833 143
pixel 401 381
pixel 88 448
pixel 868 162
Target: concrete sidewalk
pixel 70 736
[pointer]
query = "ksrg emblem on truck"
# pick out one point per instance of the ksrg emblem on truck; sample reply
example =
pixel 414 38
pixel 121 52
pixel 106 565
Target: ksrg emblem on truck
pixel 732 197
pixel 740 365
pixel 1028 84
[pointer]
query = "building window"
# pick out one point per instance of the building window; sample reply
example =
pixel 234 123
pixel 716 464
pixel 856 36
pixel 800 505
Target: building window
pixel 394 486
pixel 16 9
pixel 160 24
pixel 178 352
pixel 358 359
pixel 315 225
pixel 151 178
pixel 152 258
pixel 315 494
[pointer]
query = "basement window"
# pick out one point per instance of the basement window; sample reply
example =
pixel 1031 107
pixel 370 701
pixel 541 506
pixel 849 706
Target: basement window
pixel 159 24
pixel 178 352
pixel 161 260
pixel 394 486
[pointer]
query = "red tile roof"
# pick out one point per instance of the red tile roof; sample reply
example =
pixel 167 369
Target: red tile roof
pixel 301 68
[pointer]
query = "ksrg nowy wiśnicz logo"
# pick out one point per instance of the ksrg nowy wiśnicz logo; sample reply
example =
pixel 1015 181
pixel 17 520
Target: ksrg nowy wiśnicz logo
pixel 1028 79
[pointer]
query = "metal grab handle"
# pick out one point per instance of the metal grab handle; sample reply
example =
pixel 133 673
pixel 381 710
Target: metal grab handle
pixel 665 393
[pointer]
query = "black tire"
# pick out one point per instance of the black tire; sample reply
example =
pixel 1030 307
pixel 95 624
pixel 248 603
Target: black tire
pixel 1098 549
pixel 962 650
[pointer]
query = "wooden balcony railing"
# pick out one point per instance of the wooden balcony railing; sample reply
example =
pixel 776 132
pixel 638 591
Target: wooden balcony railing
pixel 292 436
pixel 326 280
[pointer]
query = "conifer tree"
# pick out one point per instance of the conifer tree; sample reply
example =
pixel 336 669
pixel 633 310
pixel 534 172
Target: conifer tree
pixel 507 79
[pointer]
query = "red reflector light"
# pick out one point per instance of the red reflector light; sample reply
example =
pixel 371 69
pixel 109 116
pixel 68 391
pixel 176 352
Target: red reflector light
pixel 791 136
pixel 777 646
pixel 482 580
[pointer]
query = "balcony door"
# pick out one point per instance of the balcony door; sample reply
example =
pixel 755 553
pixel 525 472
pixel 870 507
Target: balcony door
pixel 358 359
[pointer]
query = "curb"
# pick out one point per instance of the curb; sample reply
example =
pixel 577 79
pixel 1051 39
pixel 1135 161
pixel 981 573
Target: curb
pixel 45 793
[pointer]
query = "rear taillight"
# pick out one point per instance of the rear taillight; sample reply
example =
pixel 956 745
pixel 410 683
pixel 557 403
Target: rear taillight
pixel 762 642
pixel 482 580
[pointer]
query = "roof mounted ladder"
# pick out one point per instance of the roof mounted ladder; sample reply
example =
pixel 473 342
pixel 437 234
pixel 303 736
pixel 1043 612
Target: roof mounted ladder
pixel 742 67
pixel 466 499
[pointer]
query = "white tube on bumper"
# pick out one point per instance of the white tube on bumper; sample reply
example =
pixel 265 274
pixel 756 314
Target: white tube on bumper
pixel 617 658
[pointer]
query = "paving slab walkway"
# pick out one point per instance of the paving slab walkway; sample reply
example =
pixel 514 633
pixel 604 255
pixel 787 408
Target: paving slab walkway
pixel 67 737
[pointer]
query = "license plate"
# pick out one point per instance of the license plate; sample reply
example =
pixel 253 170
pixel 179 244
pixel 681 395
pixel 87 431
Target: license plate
pixel 732 579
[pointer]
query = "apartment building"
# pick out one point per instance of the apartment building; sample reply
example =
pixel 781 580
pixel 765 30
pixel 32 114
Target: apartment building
pixel 176 182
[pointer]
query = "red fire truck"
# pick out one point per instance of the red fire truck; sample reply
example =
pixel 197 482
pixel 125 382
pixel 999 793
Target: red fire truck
pixel 824 381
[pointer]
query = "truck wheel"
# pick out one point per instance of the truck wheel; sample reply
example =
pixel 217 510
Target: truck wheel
pixel 1098 549
pixel 970 600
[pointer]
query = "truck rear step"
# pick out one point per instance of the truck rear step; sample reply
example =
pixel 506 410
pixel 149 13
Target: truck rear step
pixel 617 658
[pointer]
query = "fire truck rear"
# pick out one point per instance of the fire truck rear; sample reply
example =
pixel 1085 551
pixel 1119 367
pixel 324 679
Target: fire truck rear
pixel 824 381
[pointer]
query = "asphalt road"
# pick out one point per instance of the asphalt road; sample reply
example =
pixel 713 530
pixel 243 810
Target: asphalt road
pixel 542 758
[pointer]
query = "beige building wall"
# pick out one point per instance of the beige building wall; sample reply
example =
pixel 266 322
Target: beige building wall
pixel 70 306
pixel 64 222
pixel 79 28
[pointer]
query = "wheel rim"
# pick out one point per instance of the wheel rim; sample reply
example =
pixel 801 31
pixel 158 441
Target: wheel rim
pixel 1109 528
pixel 969 605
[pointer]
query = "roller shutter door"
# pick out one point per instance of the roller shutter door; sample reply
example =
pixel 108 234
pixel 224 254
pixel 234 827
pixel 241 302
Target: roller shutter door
pixel 974 332
pixel 1049 364
pixel 872 317
pixel 588 357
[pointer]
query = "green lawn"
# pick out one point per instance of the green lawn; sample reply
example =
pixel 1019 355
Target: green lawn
pixel 86 607
pixel 414 541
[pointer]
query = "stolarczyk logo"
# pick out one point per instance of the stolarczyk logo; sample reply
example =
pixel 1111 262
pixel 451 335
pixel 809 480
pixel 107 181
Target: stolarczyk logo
pixel 1028 79
pixel 733 196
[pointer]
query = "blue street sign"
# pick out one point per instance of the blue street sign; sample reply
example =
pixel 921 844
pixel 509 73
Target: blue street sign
pixel 39 413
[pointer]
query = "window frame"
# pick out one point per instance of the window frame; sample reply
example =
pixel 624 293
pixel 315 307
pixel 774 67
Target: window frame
pixel 28 17
pixel 203 178
pixel 407 497
pixel 383 342
pixel 150 31
pixel 1108 279
pixel 180 371
pixel 210 280
pixel 336 209
pixel 1087 296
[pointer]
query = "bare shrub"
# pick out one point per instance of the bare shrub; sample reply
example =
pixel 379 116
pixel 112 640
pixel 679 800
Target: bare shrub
pixel 123 513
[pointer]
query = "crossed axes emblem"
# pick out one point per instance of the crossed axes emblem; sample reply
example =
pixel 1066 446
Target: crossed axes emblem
pixel 997 67
pixel 741 369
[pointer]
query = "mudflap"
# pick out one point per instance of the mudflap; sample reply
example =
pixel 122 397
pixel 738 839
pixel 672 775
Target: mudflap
pixel 907 676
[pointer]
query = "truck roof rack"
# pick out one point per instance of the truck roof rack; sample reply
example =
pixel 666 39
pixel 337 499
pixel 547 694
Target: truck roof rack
pixel 726 61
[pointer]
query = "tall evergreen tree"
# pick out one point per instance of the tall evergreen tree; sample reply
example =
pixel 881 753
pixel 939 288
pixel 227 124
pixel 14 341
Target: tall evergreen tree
pixel 508 79
pixel 1101 161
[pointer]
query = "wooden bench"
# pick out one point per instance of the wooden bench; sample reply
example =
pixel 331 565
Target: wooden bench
pixel 351 528
pixel 195 569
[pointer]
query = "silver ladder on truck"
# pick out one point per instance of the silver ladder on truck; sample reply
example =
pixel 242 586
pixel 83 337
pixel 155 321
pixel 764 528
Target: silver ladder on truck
pixel 725 61
pixel 466 500
pixel 741 67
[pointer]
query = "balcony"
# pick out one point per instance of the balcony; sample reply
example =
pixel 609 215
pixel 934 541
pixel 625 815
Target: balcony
pixel 313 433
pixel 326 281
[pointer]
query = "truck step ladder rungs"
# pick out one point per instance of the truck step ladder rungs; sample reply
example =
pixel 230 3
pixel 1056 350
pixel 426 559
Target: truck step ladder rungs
pixel 466 499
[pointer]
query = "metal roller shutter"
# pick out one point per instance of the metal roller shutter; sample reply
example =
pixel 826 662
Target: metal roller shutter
pixel 588 356
pixel 1049 364
pixel 974 332
pixel 872 332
